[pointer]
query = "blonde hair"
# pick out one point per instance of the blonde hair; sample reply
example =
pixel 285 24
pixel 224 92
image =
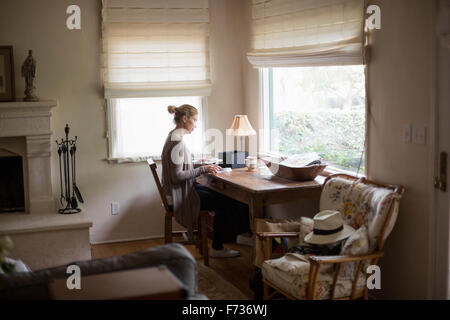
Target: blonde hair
pixel 183 110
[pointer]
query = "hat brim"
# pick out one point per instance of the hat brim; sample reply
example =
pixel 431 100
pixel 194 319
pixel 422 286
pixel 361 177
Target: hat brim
pixel 326 239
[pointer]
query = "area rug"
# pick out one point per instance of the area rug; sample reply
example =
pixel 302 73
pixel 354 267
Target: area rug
pixel 215 287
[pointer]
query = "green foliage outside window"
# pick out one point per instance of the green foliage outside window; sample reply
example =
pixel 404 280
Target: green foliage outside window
pixel 319 109
pixel 336 135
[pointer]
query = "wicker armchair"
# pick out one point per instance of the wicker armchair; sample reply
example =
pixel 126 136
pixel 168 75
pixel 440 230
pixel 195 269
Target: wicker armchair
pixel 362 202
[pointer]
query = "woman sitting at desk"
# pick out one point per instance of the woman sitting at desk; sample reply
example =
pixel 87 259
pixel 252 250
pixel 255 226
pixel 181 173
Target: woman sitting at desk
pixel 178 179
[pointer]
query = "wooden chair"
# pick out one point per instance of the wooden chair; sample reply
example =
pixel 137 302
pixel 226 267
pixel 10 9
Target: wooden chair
pixel 316 262
pixel 202 239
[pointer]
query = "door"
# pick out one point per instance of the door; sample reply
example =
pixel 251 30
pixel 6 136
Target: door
pixel 442 151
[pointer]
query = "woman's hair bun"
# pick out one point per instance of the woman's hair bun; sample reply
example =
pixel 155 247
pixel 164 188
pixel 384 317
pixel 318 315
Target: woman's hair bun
pixel 172 109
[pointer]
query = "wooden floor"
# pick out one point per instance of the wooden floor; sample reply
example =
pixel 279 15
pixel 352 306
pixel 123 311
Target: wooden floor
pixel 235 270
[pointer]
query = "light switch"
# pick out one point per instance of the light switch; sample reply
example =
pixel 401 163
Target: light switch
pixel 419 132
pixel 115 209
pixel 407 133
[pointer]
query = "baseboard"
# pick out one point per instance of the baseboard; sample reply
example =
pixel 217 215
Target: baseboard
pixel 129 239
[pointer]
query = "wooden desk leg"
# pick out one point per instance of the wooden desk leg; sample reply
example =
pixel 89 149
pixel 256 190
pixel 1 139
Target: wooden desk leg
pixel 256 210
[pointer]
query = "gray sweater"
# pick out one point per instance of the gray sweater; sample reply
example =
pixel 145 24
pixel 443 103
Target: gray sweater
pixel 178 180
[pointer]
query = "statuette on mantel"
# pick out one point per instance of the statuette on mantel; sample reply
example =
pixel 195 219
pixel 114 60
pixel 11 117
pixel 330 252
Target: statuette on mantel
pixel 29 72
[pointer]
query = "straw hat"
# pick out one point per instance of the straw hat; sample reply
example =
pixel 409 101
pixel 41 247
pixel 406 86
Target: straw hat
pixel 329 227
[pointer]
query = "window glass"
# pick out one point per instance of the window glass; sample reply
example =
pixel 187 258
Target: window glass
pixel 139 126
pixel 316 109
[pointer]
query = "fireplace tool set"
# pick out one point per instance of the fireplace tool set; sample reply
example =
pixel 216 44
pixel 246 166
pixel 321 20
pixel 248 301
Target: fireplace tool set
pixel 69 191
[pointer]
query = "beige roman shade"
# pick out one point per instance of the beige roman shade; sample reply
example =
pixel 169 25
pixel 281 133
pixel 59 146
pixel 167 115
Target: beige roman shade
pixel 155 48
pixel 307 32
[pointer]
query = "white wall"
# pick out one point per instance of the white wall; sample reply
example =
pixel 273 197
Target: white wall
pixel 68 69
pixel 400 86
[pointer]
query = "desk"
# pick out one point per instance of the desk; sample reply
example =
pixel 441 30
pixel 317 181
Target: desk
pixel 155 283
pixel 260 188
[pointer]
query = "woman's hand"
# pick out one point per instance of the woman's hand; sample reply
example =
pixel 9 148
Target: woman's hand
pixel 212 168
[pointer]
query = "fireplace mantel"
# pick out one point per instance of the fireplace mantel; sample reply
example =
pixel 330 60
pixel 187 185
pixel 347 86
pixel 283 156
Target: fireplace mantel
pixel 21 118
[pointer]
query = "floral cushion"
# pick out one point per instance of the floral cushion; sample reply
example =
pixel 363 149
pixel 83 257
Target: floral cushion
pixel 356 244
pixel 297 286
pixel 361 204
pixel 306 226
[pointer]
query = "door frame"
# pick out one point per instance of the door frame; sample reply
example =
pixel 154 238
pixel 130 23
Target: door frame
pixel 438 263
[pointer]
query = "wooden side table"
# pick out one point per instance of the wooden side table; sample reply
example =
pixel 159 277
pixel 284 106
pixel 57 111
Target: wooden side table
pixel 156 283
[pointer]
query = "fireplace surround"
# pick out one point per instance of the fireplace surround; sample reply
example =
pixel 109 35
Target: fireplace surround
pixel 25 130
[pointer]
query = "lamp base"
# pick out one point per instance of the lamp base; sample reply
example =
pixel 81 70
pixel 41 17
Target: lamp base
pixel 233 159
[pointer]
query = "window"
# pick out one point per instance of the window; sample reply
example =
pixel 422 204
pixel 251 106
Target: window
pixel 155 54
pixel 139 126
pixel 316 109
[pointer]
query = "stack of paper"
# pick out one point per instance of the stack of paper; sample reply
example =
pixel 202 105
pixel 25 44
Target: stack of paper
pixel 301 160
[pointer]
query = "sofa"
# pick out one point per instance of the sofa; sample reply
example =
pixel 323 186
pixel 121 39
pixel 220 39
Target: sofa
pixel 175 257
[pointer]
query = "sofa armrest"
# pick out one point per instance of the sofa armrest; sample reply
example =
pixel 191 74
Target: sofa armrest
pixel 174 256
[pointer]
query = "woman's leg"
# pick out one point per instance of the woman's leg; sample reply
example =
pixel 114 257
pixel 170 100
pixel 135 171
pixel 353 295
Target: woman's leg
pixel 221 205
pixel 213 201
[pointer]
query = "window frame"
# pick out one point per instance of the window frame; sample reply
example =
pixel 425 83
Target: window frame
pixel 265 140
pixel 110 136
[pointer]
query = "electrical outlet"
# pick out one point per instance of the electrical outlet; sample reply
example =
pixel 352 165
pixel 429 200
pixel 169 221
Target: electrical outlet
pixel 115 209
pixel 407 133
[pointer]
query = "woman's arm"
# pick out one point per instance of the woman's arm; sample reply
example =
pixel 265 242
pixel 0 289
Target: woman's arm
pixel 175 158
pixel 178 175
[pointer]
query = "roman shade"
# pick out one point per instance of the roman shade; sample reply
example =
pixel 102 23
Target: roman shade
pixel 307 33
pixel 154 48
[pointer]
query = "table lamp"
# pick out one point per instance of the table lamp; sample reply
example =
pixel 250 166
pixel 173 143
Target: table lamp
pixel 240 127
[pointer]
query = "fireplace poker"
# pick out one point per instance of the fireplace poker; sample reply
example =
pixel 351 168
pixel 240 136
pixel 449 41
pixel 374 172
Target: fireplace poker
pixel 75 187
pixel 66 130
pixel 64 152
pixel 73 200
pixel 60 176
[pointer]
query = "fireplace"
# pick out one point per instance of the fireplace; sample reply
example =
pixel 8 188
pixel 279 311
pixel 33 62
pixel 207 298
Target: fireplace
pixel 25 147
pixel 42 237
pixel 12 197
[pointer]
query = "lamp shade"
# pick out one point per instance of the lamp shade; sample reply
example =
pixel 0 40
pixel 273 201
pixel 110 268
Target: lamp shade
pixel 241 126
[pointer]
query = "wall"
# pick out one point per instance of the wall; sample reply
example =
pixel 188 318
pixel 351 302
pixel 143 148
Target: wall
pixel 68 69
pixel 400 86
